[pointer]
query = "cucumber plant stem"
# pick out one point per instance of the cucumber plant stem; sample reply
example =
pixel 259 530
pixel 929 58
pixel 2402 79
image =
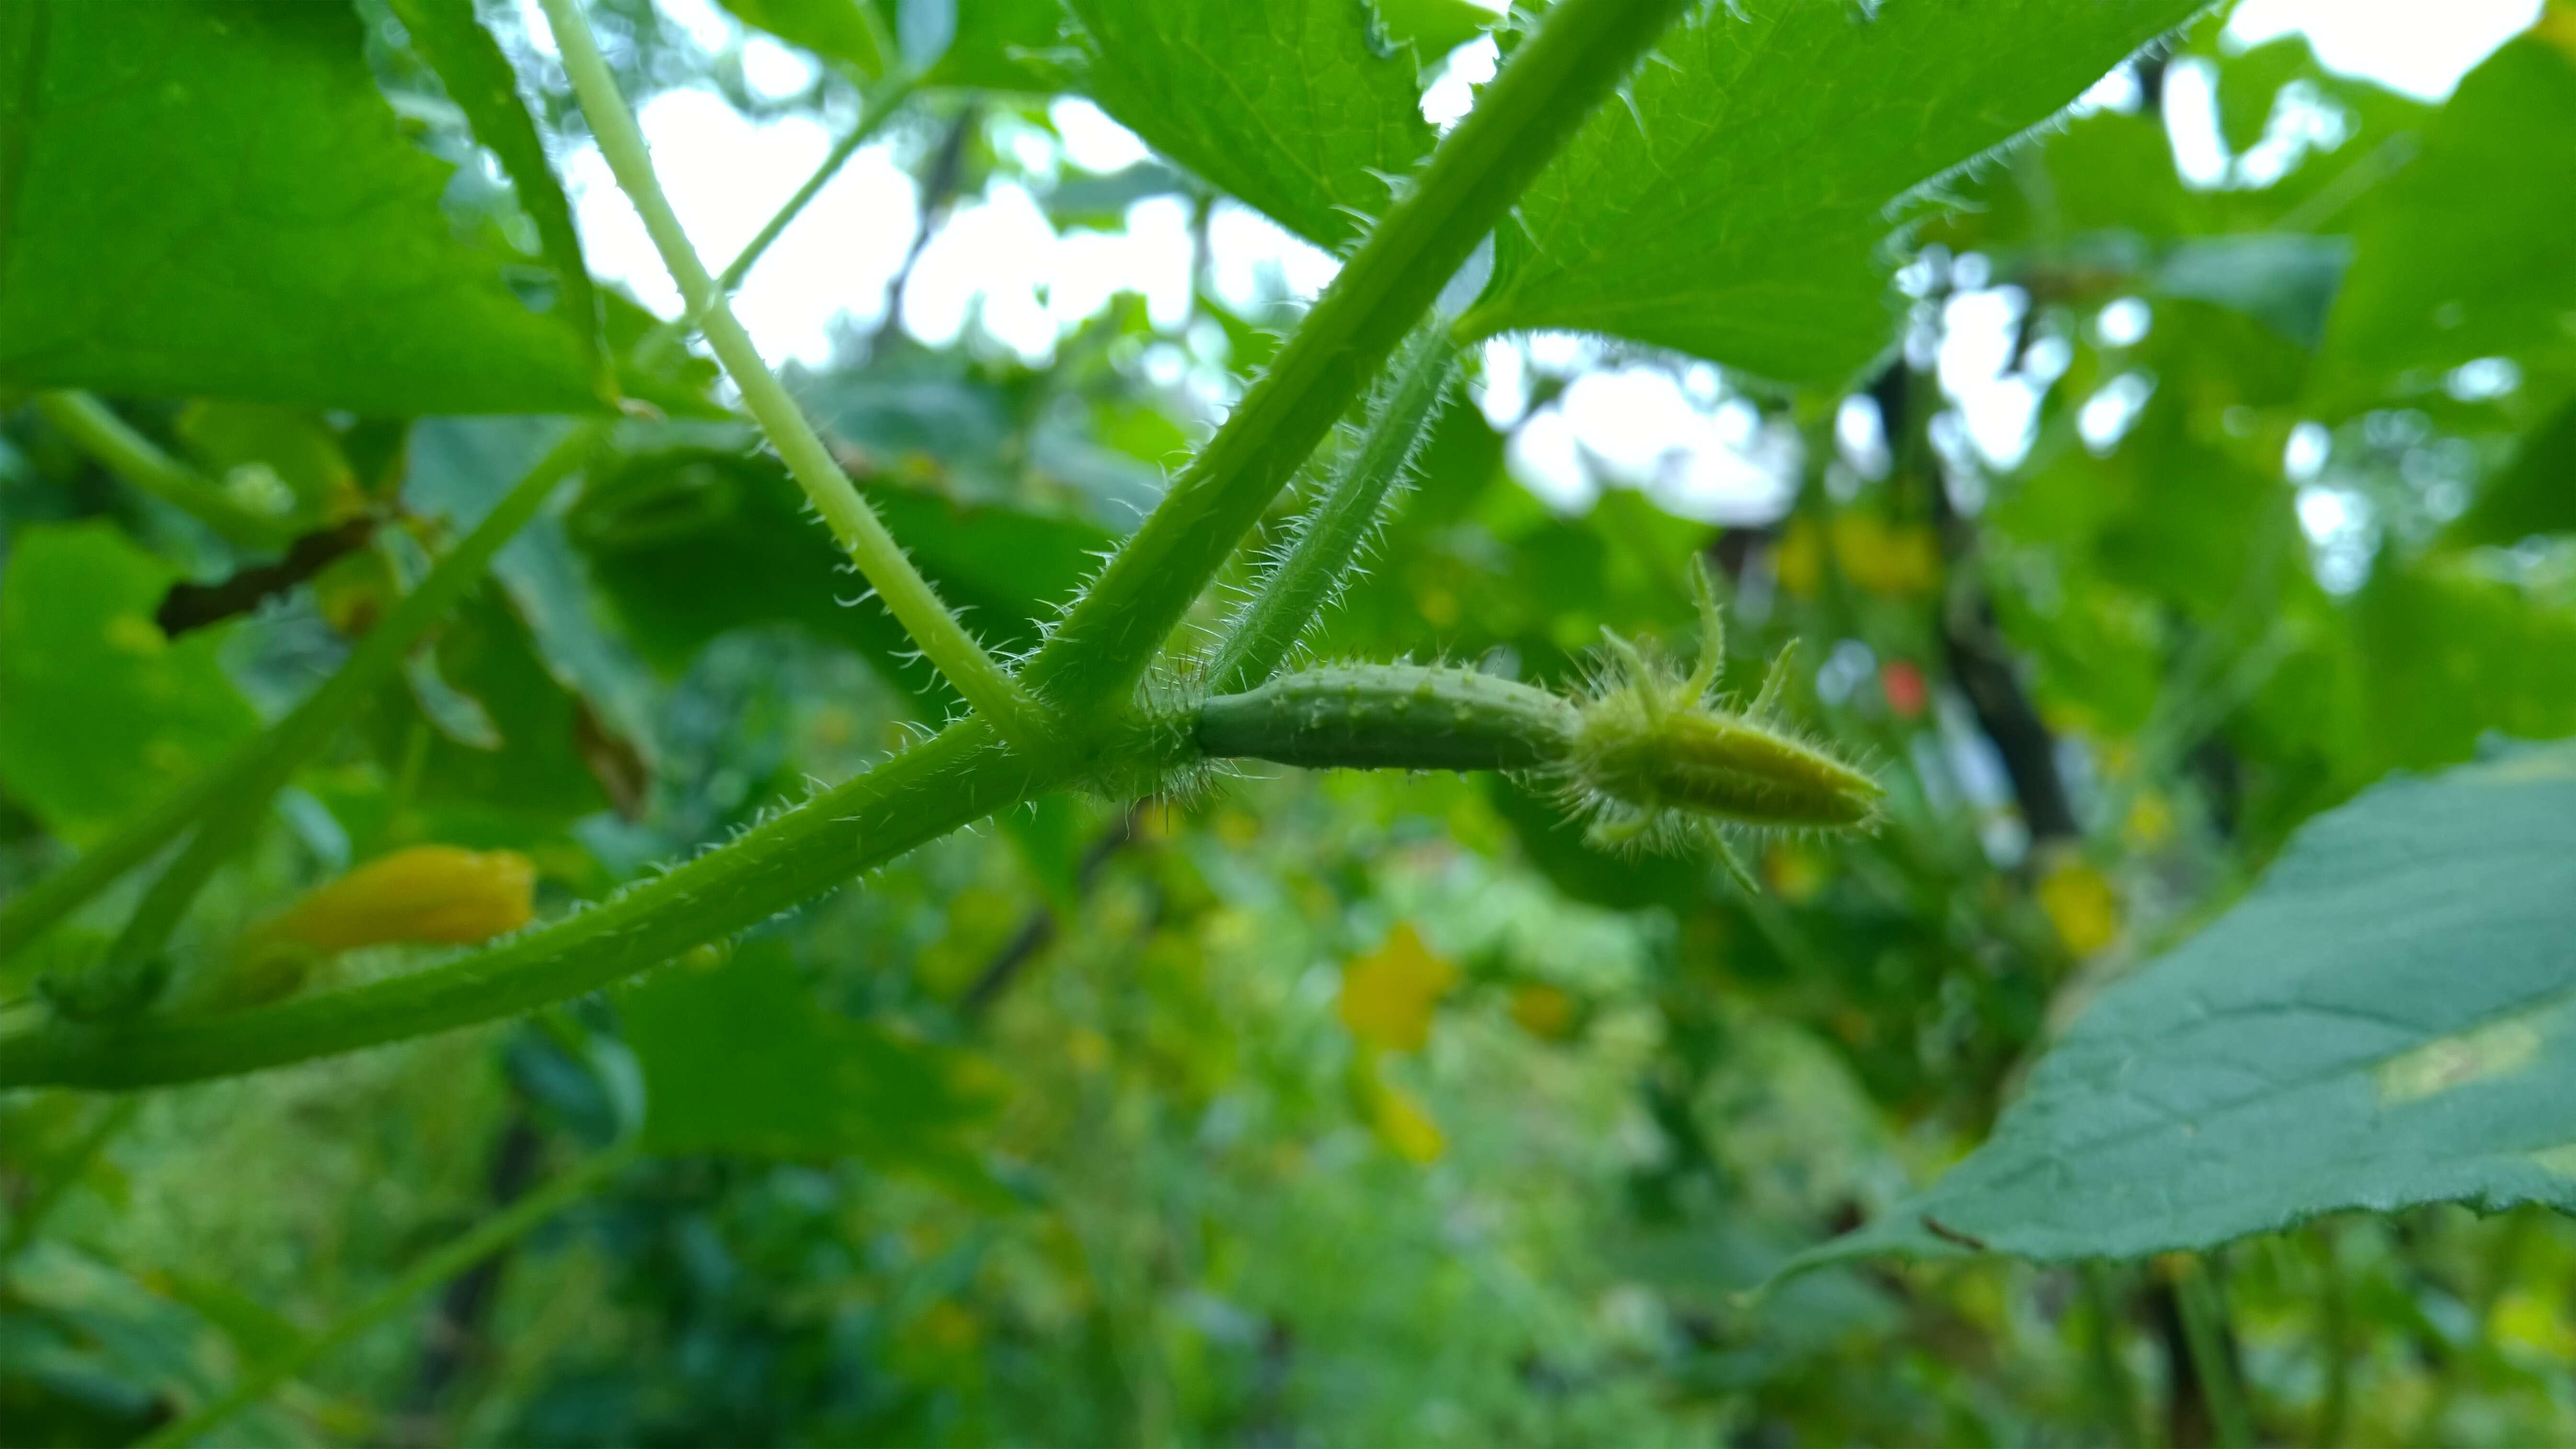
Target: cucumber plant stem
pixel 1328 540
pixel 139 461
pixel 909 596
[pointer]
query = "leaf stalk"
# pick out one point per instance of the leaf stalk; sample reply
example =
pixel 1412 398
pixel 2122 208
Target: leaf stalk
pixel 909 596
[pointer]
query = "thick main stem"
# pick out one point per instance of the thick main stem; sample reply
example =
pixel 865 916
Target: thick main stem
pixel 880 559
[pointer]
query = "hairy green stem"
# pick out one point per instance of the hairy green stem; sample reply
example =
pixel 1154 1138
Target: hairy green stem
pixel 945 783
pixel 477 1243
pixel 139 461
pixel 1551 83
pixel 882 561
pixel 1330 537
pixel 234 796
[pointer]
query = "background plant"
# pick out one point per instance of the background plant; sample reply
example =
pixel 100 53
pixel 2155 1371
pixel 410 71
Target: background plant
pixel 1346 1107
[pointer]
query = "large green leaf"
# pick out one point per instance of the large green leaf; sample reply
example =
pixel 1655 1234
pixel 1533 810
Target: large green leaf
pixel 2469 252
pixel 742 1058
pixel 100 712
pixel 2388 1019
pixel 211 199
pixel 1739 204
pixel 479 80
pixel 1289 106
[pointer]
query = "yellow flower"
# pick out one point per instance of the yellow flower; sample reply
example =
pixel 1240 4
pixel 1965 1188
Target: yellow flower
pixel 1388 994
pixel 1406 1127
pixel 1885 558
pixel 440 894
pixel 1800 558
pixel 2150 823
pixel 1543 1011
pixel 2080 904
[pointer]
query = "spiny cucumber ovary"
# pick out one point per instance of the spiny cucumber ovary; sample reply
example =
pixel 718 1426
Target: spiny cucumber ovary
pixel 1652 757
pixel 1636 755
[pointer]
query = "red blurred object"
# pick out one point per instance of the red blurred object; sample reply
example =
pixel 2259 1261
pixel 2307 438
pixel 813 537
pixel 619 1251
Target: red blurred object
pixel 1906 693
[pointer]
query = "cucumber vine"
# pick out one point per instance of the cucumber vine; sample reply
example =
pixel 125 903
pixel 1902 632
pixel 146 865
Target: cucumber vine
pixel 1649 753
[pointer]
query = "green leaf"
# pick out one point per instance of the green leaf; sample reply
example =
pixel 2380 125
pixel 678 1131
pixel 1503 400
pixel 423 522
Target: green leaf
pixel 2468 253
pixel 1739 205
pixel 841 29
pixel 479 80
pixel 2448 654
pixel 212 200
pixel 105 712
pixel 2388 1019
pixel 482 723
pixel 2535 494
pixel 1288 106
pixel 741 1058
pixel 1001 45
pixel 1433 27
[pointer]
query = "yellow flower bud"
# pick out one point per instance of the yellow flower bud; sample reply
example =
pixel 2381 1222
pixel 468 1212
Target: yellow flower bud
pixel 436 894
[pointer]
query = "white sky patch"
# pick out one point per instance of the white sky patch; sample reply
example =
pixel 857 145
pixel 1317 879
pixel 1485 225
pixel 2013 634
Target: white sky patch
pixel 992 263
pixel 1546 457
pixel 2108 414
pixel 704 20
pixel 1092 140
pixel 1695 453
pixel 776 72
pixel 1446 101
pixel 1999 408
pixel 2421 47
pixel 2191 121
pixel 2304 456
pixel 1152 257
pixel 1502 388
pixel 725 176
pixel 1253 262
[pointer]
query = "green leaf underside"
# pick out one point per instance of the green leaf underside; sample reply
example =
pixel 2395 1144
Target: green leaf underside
pixel 2468 252
pixel 1289 107
pixel 103 714
pixel 212 200
pixel 2388 1019
pixel 841 29
pixel 479 80
pixel 740 1058
pixel 1739 204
